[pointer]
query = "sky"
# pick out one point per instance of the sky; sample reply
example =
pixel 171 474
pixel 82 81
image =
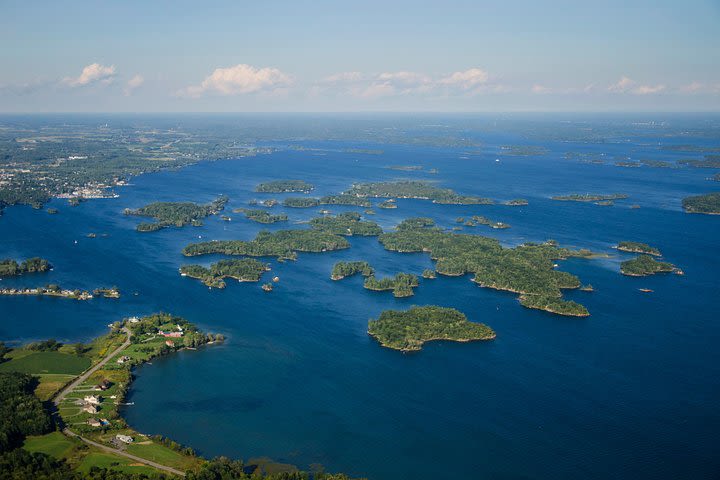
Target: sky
pixel 347 56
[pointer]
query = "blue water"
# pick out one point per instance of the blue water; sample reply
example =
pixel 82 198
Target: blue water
pixel 630 392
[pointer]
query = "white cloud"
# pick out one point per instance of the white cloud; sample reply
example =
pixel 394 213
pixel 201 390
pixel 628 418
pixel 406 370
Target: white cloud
pixel 622 85
pixel 92 73
pixel 540 89
pixel 648 89
pixel 240 79
pixel 132 84
pixel 467 80
pixel 628 85
pixel 344 77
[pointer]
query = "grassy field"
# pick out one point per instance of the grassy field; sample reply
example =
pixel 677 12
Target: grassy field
pixel 106 460
pixel 54 444
pixel 46 362
pixel 162 454
pixel 50 383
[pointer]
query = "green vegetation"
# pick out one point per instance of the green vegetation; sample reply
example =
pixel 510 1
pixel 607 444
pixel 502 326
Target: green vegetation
pixel 387 204
pixel 261 216
pixel 176 213
pixel 344 199
pixel 21 413
pixel 710 161
pixel 644 265
pixel 38 362
pixel 517 202
pixel 554 305
pixel 50 290
pixel 526 269
pixel 346 269
pixel 10 267
pixel 587 197
pixel 401 284
pixel 301 202
pixel 707 204
pixel 243 270
pixel 285 186
pixel 409 330
pixel 637 247
pixel 480 220
pixel 429 274
pixel 283 244
pixel 348 223
pixel 523 150
pixel 415 223
pixel 419 190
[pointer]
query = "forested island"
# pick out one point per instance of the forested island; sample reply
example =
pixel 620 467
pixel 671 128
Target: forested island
pixel 523 150
pixel 526 269
pixel 242 270
pixel 517 202
pixel 556 305
pixel 644 265
pixel 408 330
pixel 413 189
pixel 49 291
pixel 587 197
pixel 637 247
pixel 348 223
pixel 283 244
pixel 346 269
pixel 387 204
pixel 261 216
pixel 307 202
pixel 476 220
pixel 285 186
pixel 176 214
pixel 708 203
pixel 10 267
pixel 401 284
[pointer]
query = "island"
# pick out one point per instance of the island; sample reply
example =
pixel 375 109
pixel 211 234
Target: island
pixel 517 202
pixel 285 186
pixel 307 202
pixel 346 269
pixel 11 268
pixel 405 168
pixel 416 190
pixel 242 270
pixel 387 204
pixel 708 204
pixel 112 292
pixel 408 330
pixel 555 305
pixel 261 216
pixel 527 269
pixel 710 161
pixel 52 211
pixel 480 220
pixel 176 214
pixel 283 244
pixel 587 197
pixel 348 223
pixel 429 273
pixel 523 150
pixel 50 290
pixel 637 247
pixel 301 202
pixel 401 284
pixel 644 265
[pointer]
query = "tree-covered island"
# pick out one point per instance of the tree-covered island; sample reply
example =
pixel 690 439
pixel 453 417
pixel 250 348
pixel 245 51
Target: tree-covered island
pixel 51 290
pixel 346 269
pixel 261 216
pixel 476 220
pixel 527 269
pixel 708 204
pixel 587 197
pixel 285 186
pixel 283 244
pixel 308 202
pixel 555 305
pixel 517 202
pixel 348 223
pixel 401 284
pixel 408 330
pixel 644 265
pixel 637 247
pixel 10 267
pixel 388 204
pixel 242 270
pixel 414 189
pixel 176 214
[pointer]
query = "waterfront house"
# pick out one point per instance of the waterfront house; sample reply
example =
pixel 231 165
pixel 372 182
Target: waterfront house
pixel 169 343
pixel 123 359
pixel 92 399
pixel 94 422
pixel 124 438
pixel 91 409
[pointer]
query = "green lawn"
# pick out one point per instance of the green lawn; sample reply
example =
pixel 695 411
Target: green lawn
pixel 51 383
pixel 162 454
pixel 54 444
pixel 46 362
pixel 107 460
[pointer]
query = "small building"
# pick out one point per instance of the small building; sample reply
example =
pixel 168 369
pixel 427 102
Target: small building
pixel 94 422
pixel 124 438
pixel 91 409
pixel 169 343
pixel 102 386
pixel 170 334
pixel 92 399
pixel 133 320
pixel 123 359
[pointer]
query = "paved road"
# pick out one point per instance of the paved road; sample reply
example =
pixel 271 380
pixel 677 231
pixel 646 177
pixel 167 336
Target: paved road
pixel 116 451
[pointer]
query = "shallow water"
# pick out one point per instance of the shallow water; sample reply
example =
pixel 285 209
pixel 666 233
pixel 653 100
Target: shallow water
pixel 630 392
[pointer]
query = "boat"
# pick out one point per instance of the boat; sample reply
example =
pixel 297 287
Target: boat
pixel 645 290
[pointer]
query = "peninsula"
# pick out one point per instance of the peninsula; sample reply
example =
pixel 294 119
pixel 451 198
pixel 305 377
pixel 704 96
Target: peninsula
pixel 176 214
pixel 408 330
pixel 708 204
pixel 346 269
pixel 242 270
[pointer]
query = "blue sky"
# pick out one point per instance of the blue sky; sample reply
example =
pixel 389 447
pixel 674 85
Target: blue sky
pixel 372 55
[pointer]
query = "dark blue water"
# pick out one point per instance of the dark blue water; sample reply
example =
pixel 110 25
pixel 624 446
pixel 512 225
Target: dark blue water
pixel 630 392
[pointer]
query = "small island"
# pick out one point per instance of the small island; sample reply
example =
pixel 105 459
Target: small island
pixel 387 204
pixel 645 265
pixel 416 190
pixel 517 202
pixel 11 268
pixel 401 284
pixel 301 202
pixel 176 214
pixel 348 223
pixel 429 274
pixel 408 330
pixel 346 269
pixel 708 204
pixel 112 292
pixel 555 305
pixel 51 290
pixel 261 216
pixel 637 247
pixel 308 202
pixel 285 186
pixel 587 197
pixel 242 270
pixel 476 220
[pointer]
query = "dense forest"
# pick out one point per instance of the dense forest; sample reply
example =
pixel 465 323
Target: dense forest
pixel 346 269
pixel 176 214
pixel 401 284
pixel 637 247
pixel 10 267
pixel 414 189
pixel 285 186
pixel 708 203
pixel 243 270
pixel 261 216
pixel 348 223
pixel 644 265
pixel 408 330
pixel 587 197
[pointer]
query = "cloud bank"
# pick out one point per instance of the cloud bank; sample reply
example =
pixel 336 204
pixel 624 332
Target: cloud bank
pixel 91 74
pixel 238 80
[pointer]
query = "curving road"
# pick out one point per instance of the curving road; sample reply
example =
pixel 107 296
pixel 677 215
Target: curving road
pixel 60 396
